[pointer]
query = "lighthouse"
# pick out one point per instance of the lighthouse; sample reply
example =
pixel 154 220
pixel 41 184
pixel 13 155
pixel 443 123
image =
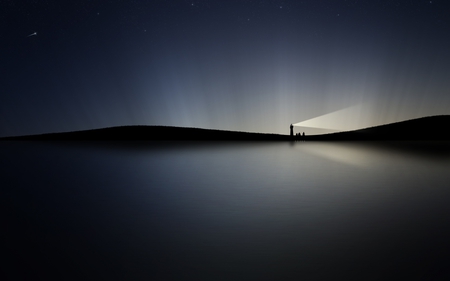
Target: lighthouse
pixel 292 130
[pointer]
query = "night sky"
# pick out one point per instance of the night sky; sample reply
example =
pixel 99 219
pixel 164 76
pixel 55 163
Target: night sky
pixel 240 65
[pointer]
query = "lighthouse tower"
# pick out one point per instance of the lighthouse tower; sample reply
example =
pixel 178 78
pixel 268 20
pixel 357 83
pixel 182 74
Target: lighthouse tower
pixel 292 130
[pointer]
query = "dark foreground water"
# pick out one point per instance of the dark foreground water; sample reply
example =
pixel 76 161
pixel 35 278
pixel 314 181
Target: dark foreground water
pixel 236 211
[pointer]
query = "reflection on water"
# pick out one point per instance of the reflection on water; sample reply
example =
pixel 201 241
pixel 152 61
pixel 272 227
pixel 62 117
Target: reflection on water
pixel 240 211
pixel 344 153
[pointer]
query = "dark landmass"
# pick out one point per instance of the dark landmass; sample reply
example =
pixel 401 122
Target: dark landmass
pixel 433 128
pixel 153 133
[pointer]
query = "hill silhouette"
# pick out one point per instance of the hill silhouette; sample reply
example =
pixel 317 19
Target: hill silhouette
pixel 420 129
pixel 157 133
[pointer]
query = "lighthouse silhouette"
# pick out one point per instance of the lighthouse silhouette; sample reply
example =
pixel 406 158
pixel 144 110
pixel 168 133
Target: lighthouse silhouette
pixel 292 130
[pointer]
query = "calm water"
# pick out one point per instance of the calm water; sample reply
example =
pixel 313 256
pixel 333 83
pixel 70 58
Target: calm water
pixel 242 211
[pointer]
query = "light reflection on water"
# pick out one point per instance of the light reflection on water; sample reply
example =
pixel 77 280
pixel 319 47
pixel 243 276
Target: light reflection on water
pixel 235 210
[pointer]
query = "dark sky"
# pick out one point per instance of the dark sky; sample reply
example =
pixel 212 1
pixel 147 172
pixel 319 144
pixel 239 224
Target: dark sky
pixel 224 64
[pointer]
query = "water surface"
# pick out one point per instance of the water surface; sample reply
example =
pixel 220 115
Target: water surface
pixel 226 211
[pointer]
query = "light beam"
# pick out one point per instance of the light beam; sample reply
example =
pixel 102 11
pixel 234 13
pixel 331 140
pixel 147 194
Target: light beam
pixel 346 119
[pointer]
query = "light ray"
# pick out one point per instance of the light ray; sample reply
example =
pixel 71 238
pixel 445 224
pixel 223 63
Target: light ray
pixel 349 118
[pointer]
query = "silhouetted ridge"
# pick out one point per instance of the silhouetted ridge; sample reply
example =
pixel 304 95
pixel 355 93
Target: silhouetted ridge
pixel 142 133
pixel 425 128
